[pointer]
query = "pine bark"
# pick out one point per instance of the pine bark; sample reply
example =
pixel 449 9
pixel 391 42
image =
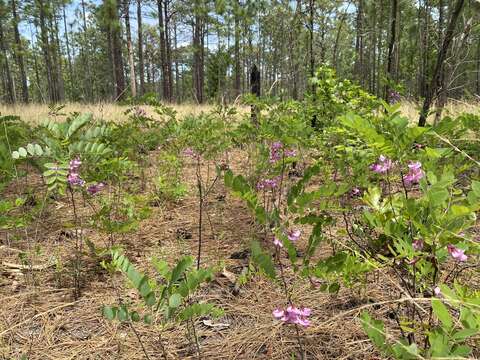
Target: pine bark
pixel 131 62
pixel 141 64
pixel 391 49
pixel 67 44
pixel 6 71
pixel 442 53
pixel 117 53
pixel 238 78
pixel 163 51
pixel 46 50
pixel 198 55
pixel 168 51
pixel 359 46
pixel 19 53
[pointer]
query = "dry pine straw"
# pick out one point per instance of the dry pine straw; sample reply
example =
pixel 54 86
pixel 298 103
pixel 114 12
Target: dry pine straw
pixel 39 318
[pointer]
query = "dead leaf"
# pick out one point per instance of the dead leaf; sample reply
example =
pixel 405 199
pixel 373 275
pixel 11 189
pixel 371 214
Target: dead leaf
pixel 211 324
pixel 229 275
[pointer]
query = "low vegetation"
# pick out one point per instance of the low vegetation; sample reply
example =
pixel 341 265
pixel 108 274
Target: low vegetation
pixel 209 235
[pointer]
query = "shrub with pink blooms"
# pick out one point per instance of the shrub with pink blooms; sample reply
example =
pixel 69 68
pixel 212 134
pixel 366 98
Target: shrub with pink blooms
pixel 362 220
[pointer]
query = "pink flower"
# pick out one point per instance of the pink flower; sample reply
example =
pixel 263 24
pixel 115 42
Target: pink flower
pixel 139 112
pixel 75 164
pixel 277 145
pixel 413 261
pixel 437 291
pixel 294 234
pixel 382 166
pixel 456 253
pixel 415 173
pixel 274 156
pixel 278 314
pixel 190 153
pixel 293 315
pixel 355 192
pixel 267 184
pixel 73 177
pixel 417 245
pixel 290 153
pixel 277 243
pixel 94 189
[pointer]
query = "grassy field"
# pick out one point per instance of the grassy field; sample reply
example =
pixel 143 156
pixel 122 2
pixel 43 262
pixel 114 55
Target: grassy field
pixel 35 113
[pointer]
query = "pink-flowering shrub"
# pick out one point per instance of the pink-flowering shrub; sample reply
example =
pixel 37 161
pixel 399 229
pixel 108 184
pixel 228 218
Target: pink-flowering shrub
pixel 293 315
pixel 95 188
pixel 382 165
pixel 415 173
pixel 294 234
pixel 456 253
pixel 73 177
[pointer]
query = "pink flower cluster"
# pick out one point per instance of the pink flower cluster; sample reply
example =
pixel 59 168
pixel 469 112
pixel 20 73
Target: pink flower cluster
pixel 394 97
pixel 268 183
pixel 415 173
pixel 277 242
pixel 417 245
pixel 95 189
pixel 355 192
pixel 189 152
pixel 276 152
pixel 456 253
pixel 293 315
pixel 73 177
pixel 139 112
pixel 293 235
pixel 382 166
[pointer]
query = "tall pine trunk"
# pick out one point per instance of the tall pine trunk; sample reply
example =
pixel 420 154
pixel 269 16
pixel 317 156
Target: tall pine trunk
pixel 442 54
pixel 19 53
pixel 67 43
pixel 6 73
pixel 57 58
pixel 131 62
pixel 50 77
pixel 359 46
pixel 168 51
pixel 163 52
pixel 238 78
pixel 178 94
pixel 198 55
pixel 391 50
pixel 310 42
pixel 114 38
pixel 84 50
pixel 141 64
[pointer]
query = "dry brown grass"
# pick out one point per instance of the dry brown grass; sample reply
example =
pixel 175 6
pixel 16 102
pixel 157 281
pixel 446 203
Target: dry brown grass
pixel 453 108
pixel 35 113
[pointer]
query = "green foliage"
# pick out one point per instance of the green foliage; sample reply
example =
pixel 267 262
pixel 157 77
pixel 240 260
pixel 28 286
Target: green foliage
pixel 205 134
pixel 13 133
pixel 168 184
pixel 171 296
pixel 263 260
pixel 335 97
pixel 59 142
